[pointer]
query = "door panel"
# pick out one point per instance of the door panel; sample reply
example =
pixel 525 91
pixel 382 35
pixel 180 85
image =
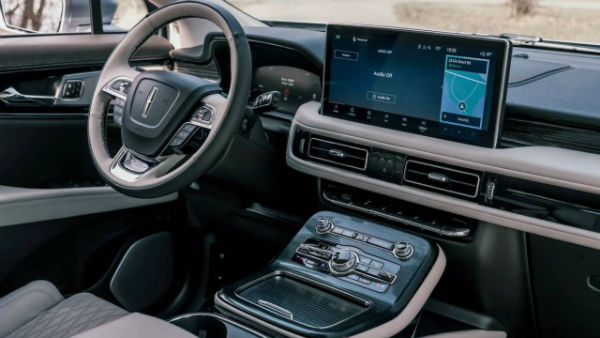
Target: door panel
pixel 68 51
pixel 58 220
pixel 46 152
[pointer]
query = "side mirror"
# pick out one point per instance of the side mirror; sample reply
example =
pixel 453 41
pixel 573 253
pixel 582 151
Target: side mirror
pixel 31 16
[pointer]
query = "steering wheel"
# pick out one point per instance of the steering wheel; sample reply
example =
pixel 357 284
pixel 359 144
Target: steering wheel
pixel 174 126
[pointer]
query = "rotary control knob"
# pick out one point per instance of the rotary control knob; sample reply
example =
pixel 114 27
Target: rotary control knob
pixel 342 261
pixel 403 250
pixel 323 225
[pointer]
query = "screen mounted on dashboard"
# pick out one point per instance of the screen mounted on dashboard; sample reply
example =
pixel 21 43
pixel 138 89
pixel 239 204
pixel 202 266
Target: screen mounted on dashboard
pixel 441 85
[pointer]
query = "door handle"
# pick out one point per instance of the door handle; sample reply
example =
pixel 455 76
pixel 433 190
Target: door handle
pixel 13 97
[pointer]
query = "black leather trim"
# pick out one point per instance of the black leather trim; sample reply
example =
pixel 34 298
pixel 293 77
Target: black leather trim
pixel 307 42
pixel 33 53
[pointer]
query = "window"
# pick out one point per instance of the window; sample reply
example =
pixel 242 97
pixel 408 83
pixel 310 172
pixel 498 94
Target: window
pixel 67 16
pixel 127 13
pixel 571 20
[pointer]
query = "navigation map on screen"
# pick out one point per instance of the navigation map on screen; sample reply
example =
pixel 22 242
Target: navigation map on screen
pixel 464 91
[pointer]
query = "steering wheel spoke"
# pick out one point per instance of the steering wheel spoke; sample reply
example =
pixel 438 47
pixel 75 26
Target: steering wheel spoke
pixel 193 132
pixel 118 89
pixel 130 167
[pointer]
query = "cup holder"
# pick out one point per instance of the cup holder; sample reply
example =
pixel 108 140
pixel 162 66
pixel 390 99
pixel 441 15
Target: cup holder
pixel 210 325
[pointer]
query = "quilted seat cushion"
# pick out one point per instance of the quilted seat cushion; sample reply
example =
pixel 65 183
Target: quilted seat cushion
pixel 73 315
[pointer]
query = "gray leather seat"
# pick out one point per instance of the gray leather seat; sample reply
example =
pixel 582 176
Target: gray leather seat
pixel 38 310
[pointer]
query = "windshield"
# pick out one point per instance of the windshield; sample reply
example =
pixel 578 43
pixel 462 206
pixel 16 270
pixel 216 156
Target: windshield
pixel 572 20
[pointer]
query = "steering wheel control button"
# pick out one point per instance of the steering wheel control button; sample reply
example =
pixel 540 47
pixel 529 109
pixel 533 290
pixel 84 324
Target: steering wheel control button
pixel 323 225
pixel 203 115
pixel 121 86
pixel 133 164
pixel 118 111
pixel 184 134
pixel 403 250
pixel 118 87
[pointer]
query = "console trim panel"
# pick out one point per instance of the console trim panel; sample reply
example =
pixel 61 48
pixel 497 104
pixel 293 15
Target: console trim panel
pixel 397 324
pixel 458 233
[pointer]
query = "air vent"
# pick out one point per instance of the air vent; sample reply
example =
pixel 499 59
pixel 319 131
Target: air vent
pixel 337 153
pixel 442 178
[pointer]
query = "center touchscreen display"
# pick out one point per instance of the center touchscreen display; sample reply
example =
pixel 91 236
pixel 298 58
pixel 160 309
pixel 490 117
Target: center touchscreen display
pixel 436 84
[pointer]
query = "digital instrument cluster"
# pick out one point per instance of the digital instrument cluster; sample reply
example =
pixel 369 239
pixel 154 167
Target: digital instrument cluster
pixel 296 85
pixel 441 85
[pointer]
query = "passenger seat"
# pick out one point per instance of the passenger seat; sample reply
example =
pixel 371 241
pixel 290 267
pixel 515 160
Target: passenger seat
pixel 38 310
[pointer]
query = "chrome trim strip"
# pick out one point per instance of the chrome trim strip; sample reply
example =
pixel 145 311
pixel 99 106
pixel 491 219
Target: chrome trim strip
pixel 149 101
pixel 12 97
pixel 342 145
pixel 460 232
pixel 276 308
pixel 123 174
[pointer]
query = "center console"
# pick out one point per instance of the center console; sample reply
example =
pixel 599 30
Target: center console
pixel 339 276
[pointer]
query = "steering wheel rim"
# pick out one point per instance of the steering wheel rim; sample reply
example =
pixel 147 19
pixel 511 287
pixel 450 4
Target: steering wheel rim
pixel 171 173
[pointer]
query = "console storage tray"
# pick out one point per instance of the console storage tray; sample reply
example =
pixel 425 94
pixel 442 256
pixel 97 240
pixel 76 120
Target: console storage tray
pixel 297 300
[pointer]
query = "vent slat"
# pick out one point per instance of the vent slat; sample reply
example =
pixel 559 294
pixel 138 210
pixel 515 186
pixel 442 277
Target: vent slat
pixel 340 154
pixel 442 178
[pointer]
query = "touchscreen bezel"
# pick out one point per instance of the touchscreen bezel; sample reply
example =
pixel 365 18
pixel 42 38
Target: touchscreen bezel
pixel 502 47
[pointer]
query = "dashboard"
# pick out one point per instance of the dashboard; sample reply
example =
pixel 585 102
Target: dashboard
pixel 345 138
pixel 540 183
pixel 526 182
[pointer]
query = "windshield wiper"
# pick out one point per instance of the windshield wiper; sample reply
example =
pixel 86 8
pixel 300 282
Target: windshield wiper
pixel 537 41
